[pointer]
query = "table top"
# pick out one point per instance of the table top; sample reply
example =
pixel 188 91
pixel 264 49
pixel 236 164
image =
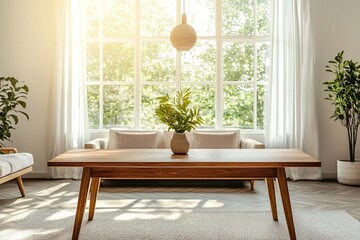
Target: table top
pixel 265 158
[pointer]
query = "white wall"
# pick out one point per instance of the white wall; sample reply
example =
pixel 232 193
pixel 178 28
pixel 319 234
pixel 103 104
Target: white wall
pixel 336 27
pixel 27 31
pixel 27 52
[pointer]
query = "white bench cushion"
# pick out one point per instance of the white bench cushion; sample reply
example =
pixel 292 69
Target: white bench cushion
pixel 215 140
pixel 10 163
pixel 114 137
pixel 126 140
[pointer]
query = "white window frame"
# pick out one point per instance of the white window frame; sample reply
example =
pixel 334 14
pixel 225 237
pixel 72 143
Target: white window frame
pixel 219 82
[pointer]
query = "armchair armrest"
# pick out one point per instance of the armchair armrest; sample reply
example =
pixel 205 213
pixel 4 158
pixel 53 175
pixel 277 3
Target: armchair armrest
pixel 97 143
pixel 8 150
pixel 251 144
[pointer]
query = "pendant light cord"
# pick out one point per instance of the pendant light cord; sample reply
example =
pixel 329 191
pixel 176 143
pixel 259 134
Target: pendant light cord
pixel 183 18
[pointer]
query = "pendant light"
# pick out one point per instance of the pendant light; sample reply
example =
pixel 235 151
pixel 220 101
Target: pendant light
pixel 183 36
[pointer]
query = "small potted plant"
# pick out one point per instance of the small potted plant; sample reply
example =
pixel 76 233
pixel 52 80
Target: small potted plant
pixel 12 96
pixel 344 94
pixel 177 114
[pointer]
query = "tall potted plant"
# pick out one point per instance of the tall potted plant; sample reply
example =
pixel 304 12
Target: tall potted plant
pixel 344 94
pixel 12 100
pixel 177 114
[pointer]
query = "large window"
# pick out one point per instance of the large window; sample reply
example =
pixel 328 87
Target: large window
pixel 130 61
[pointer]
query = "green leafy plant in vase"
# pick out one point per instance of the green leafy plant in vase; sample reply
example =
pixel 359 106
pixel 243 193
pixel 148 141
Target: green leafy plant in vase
pixel 344 94
pixel 12 101
pixel 179 116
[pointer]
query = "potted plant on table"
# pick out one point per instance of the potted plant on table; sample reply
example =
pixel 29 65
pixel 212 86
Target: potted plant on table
pixel 12 96
pixel 345 96
pixel 177 114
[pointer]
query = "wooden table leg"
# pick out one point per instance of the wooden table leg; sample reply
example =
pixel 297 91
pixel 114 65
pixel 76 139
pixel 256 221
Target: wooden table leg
pixel 80 209
pixel 252 183
pixel 272 198
pixel 284 191
pixel 94 190
pixel 21 186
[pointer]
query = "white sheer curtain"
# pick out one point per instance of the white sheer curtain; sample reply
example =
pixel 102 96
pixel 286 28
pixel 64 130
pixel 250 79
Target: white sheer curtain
pixel 291 113
pixel 67 127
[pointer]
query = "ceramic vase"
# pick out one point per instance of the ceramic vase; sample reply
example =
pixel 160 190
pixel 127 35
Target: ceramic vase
pixel 179 143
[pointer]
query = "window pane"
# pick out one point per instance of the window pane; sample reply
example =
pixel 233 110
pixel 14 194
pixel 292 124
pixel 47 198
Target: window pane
pixel 118 106
pixel 201 16
pixel 92 18
pixel 118 62
pixel 260 114
pixel 238 17
pixel 93 98
pixel 149 102
pixel 157 17
pixel 203 97
pixel 118 18
pixel 158 61
pixel 199 64
pixel 263 17
pixel 238 106
pixel 92 62
pixel 238 61
pixel 263 61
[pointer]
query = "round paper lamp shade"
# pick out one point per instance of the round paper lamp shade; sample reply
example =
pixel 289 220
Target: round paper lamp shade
pixel 183 37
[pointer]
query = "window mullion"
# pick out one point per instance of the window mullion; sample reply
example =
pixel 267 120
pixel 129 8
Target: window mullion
pixel 101 87
pixel 219 100
pixel 178 54
pixel 137 68
pixel 255 88
pixel 255 69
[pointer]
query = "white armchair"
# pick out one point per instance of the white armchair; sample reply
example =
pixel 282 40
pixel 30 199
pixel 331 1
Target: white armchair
pixel 13 165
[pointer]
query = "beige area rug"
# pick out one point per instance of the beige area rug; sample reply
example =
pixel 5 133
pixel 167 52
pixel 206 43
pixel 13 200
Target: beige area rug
pixel 179 224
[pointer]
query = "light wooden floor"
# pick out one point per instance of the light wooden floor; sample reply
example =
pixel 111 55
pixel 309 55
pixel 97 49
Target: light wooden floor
pixel 62 194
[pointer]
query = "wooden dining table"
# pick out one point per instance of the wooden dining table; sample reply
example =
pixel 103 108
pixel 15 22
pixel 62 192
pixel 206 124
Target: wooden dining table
pixel 198 164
